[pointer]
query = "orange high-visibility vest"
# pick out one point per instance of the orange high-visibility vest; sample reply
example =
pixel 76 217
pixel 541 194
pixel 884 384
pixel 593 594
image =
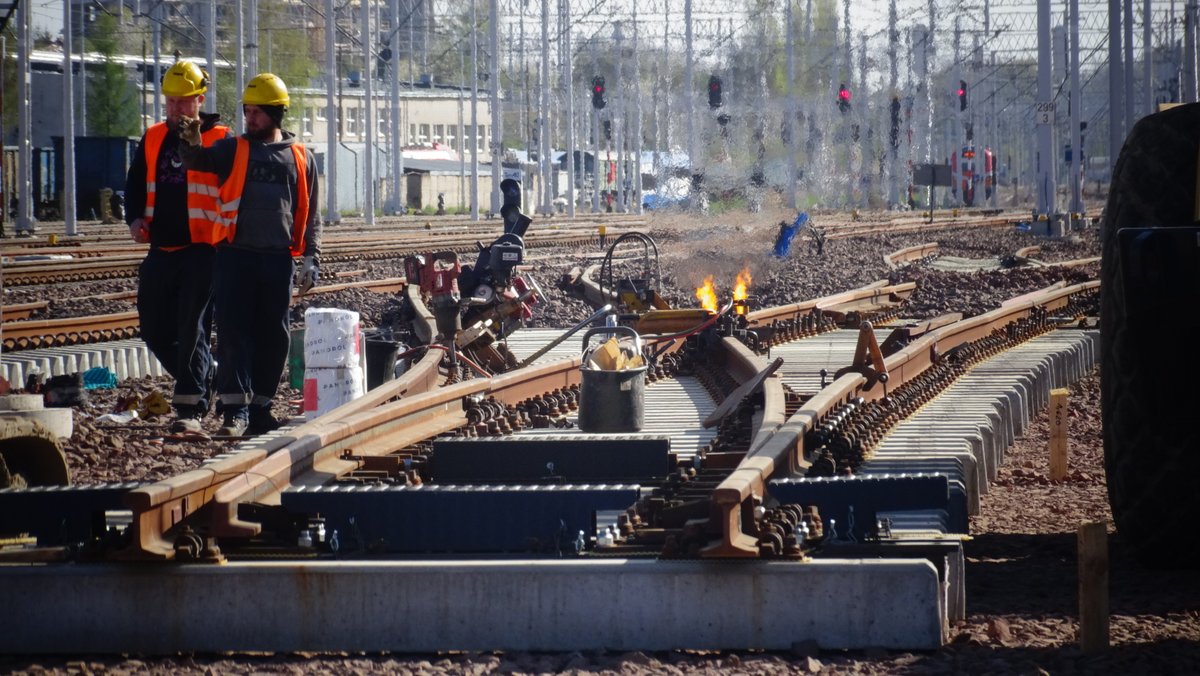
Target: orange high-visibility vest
pixel 231 194
pixel 201 186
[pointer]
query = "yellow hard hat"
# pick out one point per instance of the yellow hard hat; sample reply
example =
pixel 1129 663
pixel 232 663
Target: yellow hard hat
pixel 184 79
pixel 266 89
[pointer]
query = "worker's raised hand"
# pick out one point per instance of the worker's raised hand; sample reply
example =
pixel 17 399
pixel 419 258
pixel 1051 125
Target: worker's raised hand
pixel 189 130
pixel 139 231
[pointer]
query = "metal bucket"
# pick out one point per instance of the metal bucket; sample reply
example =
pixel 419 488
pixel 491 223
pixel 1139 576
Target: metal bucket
pixel 381 359
pixel 612 401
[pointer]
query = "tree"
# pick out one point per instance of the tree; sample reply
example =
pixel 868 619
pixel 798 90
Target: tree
pixel 286 49
pixel 112 98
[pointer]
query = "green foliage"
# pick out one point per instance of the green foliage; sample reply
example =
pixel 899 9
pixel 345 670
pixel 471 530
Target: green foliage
pixel 284 49
pixel 726 205
pixel 229 99
pixel 450 46
pixel 41 39
pixel 112 98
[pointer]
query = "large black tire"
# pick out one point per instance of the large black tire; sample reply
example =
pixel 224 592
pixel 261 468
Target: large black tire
pixel 1148 399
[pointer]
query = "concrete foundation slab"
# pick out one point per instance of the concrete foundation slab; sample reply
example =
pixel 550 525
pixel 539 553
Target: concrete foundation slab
pixel 58 421
pixel 582 604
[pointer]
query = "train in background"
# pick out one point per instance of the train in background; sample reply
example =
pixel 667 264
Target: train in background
pixel 101 162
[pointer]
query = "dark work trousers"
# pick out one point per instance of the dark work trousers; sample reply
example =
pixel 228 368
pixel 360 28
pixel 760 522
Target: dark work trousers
pixel 254 290
pixel 175 290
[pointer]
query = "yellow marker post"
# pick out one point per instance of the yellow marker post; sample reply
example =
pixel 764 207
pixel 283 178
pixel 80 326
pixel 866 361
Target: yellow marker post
pixel 1058 434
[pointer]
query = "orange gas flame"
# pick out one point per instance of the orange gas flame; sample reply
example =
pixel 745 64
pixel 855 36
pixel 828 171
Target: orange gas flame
pixel 741 289
pixel 707 295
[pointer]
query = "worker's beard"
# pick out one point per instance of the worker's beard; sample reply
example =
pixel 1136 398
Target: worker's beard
pixel 265 135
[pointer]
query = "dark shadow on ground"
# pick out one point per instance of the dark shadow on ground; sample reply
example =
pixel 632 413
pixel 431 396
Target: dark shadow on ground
pixel 1047 570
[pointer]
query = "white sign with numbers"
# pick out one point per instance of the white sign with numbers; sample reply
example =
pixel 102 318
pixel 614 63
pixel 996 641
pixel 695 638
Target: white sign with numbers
pixel 1044 112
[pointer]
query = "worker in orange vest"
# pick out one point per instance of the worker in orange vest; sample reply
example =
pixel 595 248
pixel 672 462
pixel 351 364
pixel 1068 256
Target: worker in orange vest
pixel 268 180
pixel 175 212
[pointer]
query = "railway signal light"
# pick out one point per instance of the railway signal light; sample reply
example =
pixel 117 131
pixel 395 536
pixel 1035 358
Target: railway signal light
pixel 714 92
pixel 843 98
pixel 962 94
pixel 608 130
pixel 598 100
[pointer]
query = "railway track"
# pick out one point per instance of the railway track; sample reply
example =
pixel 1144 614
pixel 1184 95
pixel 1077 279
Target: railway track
pixel 833 411
pixel 111 256
pixel 106 251
pixel 125 265
pixel 32 334
pixel 814 411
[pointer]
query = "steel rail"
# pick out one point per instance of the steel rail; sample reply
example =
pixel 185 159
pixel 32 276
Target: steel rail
pixel 592 292
pixel 161 506
pixel 910 254
pixel 21 334
pixel 18 311
pixel 346 438
pixel 102 238
pixel 313 456
pixel 745 487
pixel 875 292
pixel 125 266
pixel 914 359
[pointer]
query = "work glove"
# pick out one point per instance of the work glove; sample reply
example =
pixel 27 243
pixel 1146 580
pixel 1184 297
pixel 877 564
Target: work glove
pixel 189 130
pixel 308 274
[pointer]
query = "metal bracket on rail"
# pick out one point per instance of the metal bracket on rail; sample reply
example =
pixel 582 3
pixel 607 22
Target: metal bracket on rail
pixel 868 358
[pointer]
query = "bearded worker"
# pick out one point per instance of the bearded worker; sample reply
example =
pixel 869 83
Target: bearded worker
pixel 268 180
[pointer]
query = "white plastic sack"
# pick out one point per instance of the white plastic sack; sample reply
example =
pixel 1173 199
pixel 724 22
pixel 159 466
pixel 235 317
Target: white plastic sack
pixel 331 338
pixel 327 388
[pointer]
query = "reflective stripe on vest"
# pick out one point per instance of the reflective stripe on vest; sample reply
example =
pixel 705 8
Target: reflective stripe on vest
pixel 203 211
pixel 201 190
pixel 230 197
pixel 153 144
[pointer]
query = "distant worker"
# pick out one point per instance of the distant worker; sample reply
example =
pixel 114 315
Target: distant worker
pixel 268 180
pixel 175 212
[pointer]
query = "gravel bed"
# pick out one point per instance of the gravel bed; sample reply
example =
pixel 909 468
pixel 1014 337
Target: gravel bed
pixel 1021 576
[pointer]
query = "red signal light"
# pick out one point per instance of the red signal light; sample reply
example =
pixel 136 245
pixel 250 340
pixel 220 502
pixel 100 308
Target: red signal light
pixel 598 101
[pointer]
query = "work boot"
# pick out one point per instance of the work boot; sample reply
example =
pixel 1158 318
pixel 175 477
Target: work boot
pixel 236 422
pixel 187 420
pixel 261 421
